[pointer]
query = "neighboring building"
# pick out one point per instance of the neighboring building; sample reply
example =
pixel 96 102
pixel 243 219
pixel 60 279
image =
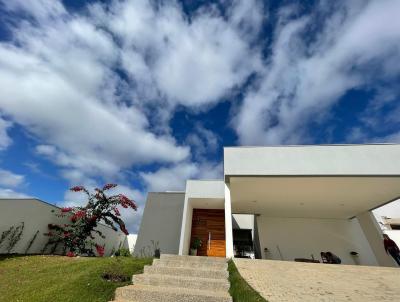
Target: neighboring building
pixel 132 242
pixel 36 214
pixel 302 200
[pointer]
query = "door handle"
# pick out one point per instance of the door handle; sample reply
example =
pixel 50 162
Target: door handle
pixel 209 240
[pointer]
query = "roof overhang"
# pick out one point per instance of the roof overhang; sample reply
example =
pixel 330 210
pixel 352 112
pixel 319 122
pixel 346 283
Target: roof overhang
pixel 312 196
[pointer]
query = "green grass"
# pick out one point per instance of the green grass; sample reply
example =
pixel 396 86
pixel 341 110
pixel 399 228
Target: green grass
pixel 240 290
pixel 57 278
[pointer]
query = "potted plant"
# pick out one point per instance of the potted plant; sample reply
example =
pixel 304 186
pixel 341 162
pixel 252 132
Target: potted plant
pixel 195 245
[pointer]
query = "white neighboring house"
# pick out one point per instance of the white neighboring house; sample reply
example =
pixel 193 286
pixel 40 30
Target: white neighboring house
pixel 36 215
pixel 131 242
pixel 299 201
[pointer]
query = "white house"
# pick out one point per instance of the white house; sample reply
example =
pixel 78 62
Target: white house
pixel 299 201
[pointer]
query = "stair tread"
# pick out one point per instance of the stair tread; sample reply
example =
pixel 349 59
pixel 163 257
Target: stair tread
pixel 189 278
pixel 211 270
pixel 184 263
pixel 193 258
pixel 176 290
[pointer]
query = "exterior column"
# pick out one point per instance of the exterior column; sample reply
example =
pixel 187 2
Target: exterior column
pixel 228 223
pixel 183 227
pixel 373 233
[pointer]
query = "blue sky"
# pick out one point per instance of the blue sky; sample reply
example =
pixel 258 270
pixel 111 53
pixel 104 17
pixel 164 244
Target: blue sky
pixel 147 93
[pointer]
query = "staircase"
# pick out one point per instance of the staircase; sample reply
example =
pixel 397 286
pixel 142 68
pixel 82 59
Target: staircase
pixel 178 279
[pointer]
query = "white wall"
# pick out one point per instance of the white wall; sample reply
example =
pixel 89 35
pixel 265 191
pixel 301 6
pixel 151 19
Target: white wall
pixel 378 159
pixel 186 229
pixel 302 237
pixel 199 192
pixel 161 222
pixel 36 215
pixel 373 233
pixel 132 238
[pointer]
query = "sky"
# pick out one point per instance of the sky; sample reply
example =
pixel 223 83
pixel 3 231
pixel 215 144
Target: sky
pixel 147 93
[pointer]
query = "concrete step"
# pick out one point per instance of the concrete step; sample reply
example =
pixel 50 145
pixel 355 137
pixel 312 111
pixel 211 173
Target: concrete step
pixel 182 281
pixel 185 271
pixel 216 265
pixel 145 293
pixel 193 258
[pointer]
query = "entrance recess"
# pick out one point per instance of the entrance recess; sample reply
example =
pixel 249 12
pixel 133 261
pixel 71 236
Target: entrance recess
pixel 209 227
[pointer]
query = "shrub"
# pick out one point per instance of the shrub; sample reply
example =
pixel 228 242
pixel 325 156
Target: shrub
pixel 123 252
pixel 77 236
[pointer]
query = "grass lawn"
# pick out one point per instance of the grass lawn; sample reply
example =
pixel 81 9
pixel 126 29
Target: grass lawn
pixel 57 278
pixel 240 290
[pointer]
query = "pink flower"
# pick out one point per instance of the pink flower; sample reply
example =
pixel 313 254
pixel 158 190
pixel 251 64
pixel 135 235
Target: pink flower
pixel 70 254
pixel 66 234
pixel 117 212
pixel 66 210
pixel 124 230
pixel 77 188
pixel 109 186
pixel 126 202
pixel 100 250
pixel 78 215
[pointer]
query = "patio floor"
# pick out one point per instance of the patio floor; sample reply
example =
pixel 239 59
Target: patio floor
pixel 294 281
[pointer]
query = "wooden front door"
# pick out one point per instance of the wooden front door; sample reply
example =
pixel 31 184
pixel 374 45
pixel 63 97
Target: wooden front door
pixel 209 226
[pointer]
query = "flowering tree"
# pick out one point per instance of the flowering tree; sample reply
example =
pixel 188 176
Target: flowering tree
pixel 78 235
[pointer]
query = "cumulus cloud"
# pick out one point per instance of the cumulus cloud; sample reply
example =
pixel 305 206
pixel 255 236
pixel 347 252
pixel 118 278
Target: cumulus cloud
pixel 10 183
pixel 191 62
pixel 306 74
pixel 58 81
pixel 5 139
pixel 10 193
pixel 10 179
pixel 174 178
pixel 86 84
pixel 203 142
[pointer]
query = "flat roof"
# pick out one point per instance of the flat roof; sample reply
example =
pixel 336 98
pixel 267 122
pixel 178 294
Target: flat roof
pixel 313 160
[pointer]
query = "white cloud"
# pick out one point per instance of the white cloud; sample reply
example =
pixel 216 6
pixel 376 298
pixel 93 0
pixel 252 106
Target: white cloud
pixel 59 80
pixel 5 139
pixel 60 84
pixel 9 184
pixel 10 179
pixel 302 79
pixel 203 142
pixel 10 193
pixel 191 62
pixel 40 9
pixel 174 178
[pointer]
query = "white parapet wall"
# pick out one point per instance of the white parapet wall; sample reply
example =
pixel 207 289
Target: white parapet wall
pixel 378 159
pixel 36 215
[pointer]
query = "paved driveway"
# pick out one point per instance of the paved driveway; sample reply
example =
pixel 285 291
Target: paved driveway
pixel 279 281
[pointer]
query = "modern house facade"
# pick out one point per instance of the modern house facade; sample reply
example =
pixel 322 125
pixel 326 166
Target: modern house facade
pixel 293 202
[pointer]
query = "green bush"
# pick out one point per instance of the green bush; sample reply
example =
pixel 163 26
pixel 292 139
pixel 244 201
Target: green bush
pixel 123 253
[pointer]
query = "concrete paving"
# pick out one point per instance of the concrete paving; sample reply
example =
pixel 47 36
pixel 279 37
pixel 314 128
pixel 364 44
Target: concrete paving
pixel 294 281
